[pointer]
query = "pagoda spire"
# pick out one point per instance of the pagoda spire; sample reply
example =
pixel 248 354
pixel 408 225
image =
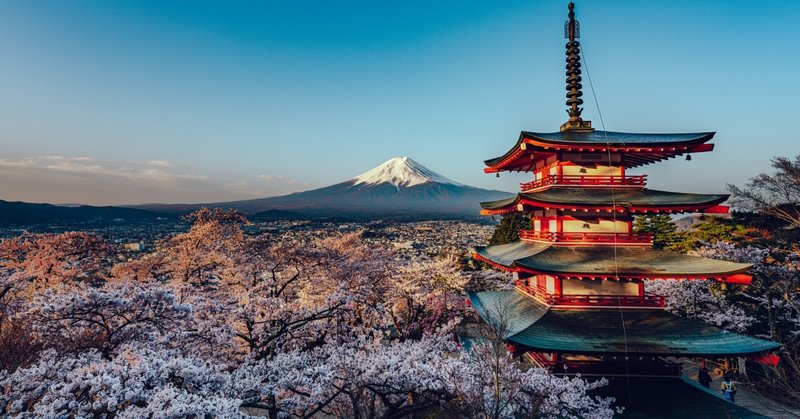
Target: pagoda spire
pixel 572 31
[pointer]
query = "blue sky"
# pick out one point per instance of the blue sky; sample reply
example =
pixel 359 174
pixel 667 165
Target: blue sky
pixel 127 102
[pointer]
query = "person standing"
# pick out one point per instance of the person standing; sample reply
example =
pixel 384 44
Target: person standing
pixel 704 378
pixel 728 388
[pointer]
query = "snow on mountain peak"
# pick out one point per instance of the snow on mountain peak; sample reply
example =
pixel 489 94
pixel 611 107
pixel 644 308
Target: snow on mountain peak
pixel 401 171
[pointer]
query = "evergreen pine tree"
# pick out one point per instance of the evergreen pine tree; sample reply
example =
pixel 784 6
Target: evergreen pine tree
pixel 661 226
pixel 508 229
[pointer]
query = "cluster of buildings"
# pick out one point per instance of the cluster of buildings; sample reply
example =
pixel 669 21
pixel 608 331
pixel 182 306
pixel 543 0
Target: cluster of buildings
pixel 409 240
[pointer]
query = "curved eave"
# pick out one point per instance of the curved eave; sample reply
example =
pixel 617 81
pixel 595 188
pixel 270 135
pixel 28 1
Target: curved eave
pixel 650 148
pixel 498 163
pixel 605 262
pixel 652 332
pixel 618 139
pixel 535 326
pixel 605 199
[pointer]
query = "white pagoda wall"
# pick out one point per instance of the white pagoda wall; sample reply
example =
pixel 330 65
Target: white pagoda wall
pixel 574 170
pixel 598 287
pixel 595 226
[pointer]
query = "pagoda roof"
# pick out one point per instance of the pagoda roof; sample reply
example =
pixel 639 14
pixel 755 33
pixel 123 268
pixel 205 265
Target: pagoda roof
pixel 534 325
pixel 618 138
pixel 639 148
pixel 605 198
pixel 605 261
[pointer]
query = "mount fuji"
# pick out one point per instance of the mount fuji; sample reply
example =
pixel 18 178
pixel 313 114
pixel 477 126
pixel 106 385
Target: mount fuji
pixel 398 188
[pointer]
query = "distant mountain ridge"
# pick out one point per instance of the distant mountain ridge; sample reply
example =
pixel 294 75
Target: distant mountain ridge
pixel 25 213
pixel 400 187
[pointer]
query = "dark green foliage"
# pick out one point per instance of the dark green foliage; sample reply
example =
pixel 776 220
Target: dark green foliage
pixel 712 229
pixel 706 229
pixel 766 231
pixel 661 227
pixel 508 229
pixel 709 229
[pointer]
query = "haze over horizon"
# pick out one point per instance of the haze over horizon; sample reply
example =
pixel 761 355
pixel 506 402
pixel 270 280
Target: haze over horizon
pixel 125 103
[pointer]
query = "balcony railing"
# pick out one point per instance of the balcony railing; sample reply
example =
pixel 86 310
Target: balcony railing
pixel 609 365
pixel 593 238
pixel 647 300
pixel 585 180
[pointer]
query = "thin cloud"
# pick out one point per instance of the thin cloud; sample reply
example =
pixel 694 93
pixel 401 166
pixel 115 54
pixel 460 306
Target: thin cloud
pixel 283 179
pixel 62 179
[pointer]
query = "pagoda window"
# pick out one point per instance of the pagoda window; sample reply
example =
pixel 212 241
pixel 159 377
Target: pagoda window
pixel 549 284
pixel 537 225
pixel 595 226
pixel 589 287
pixel 598 170
pixel 546 170
pixel 592 157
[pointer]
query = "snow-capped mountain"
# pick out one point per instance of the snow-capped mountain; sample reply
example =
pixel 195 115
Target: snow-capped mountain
pixel 401 172
pixel 400 187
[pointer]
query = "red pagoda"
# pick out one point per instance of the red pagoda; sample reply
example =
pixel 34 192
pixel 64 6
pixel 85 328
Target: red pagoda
pixel 580 305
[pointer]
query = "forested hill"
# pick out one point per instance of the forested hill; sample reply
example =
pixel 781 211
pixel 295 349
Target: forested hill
pixel 25 213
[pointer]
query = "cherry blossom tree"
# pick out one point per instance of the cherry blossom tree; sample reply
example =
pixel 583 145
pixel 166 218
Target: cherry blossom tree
pixel 216 323
pixel 198 256
pixel 137 382
pixel 423 295
pixel 362 378
pixel 776 195
pixel 36 261
pixel 703 300
pixel 106 318
pixel 31 263
pixel 775 290
pixel 490 383
pixel 768 308
pixel 488 280
pixel 298 295
pixel 17 343
pixel 153 267
pixel 367 378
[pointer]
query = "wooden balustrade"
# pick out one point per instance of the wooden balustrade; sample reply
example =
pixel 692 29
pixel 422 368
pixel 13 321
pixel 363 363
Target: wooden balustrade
pixel 585 180
pixel 646 300
pixel 593 238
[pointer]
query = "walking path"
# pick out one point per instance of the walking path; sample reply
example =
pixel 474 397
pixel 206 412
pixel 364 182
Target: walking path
pixel 746 397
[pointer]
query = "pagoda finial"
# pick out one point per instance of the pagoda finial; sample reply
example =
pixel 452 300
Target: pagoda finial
pixel 572 31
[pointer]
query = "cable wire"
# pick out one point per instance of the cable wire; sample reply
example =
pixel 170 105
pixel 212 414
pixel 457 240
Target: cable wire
pixel 614 219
